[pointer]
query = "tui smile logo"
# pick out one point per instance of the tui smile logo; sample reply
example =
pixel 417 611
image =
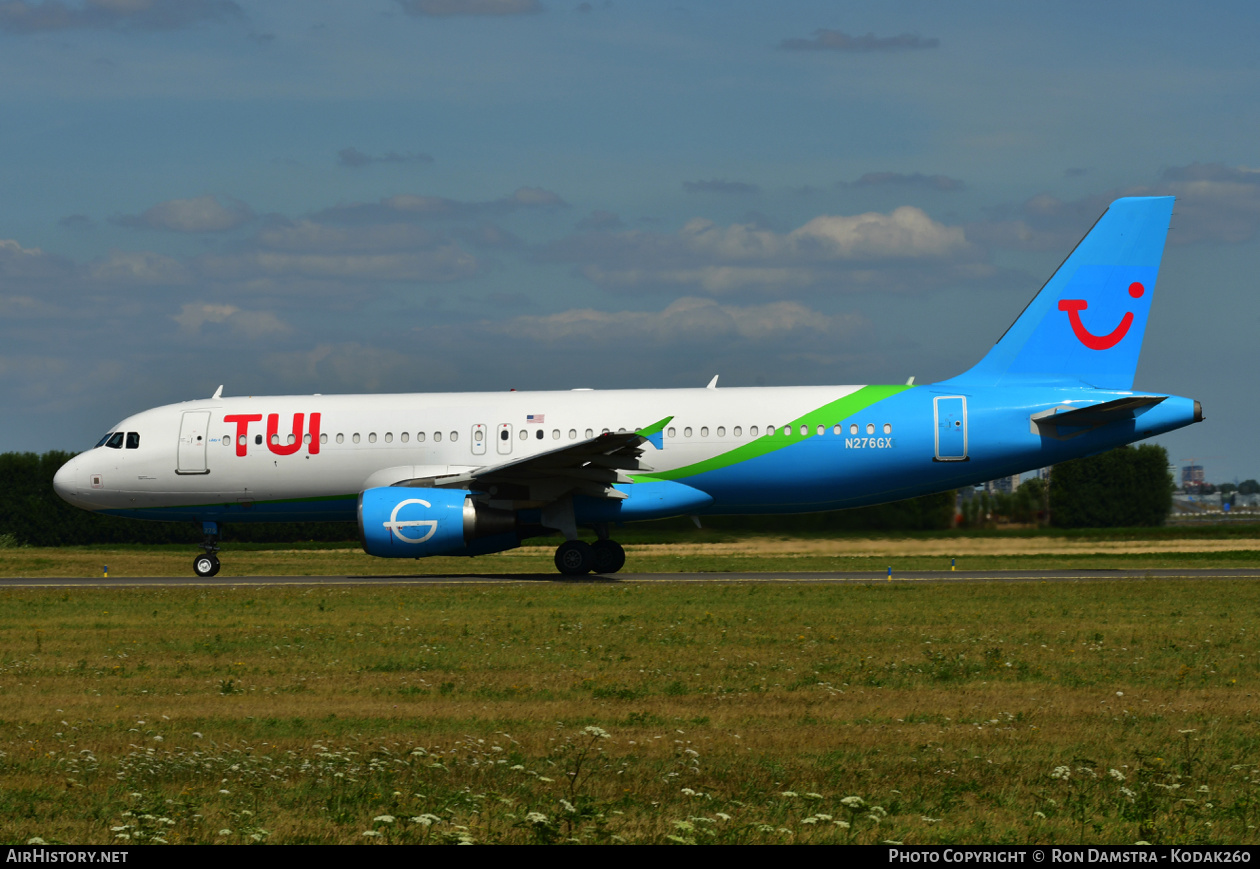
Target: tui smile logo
pixel 1088 338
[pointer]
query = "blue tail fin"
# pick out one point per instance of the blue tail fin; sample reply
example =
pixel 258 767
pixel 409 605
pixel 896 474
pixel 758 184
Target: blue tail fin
pixel 1086 324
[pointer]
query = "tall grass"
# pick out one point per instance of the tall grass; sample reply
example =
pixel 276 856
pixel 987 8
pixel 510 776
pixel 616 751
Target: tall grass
pixel 1057 712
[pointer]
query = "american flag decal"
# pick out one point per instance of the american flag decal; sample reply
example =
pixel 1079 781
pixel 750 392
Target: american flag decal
pixel 535 417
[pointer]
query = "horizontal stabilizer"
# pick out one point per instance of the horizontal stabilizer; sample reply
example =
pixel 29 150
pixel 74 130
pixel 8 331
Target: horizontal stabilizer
pixel 1052 423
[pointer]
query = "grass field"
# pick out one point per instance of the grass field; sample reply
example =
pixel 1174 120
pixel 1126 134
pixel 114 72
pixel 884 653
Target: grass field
pixel 934 713
pixel 708 552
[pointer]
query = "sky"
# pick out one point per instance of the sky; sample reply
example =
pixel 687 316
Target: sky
pixel 436 195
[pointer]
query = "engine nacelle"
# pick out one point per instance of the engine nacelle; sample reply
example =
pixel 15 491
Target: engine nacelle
pixel 402 522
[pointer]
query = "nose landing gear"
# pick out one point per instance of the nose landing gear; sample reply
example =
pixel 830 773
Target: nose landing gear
pixel 208 565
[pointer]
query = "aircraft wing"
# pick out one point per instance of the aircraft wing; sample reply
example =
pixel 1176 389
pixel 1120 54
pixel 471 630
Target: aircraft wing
pixel 588 467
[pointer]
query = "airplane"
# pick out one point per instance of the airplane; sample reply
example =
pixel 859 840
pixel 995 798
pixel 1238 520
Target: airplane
pixel 476 473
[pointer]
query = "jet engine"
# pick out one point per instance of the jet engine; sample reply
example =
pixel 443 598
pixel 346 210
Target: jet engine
pixel 402 522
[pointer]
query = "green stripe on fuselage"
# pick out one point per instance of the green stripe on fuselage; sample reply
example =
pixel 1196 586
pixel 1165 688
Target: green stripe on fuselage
pixel 827 415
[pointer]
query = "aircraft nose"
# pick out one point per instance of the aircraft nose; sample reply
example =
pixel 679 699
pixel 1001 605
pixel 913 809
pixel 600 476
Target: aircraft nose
pixel 65 482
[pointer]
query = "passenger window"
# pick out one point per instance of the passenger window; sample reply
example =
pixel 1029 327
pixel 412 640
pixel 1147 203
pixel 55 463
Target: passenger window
pixel 704 431
pixel 371 437
pixel 389 437
pixel 133 440
pixel 673 432
pixel 555 434
pixel 837 428
pixel 887 428
pixel 590 433
pixel 258 439
pixel 291 439
pixel 721 431
pixel 752 431
pixel 227 440
pixel 769 430
pixel 478 435
pixel 306 438
pixel 524 435
pixel 437 437
pixel 454 436
pixel 687 432
pixel 787 431
pixel 572 434
pixel 404 437
pixel 115 441
pixel 822 429
pixel 737 431
pixel 853 429
pixel 323 438
pixel 540 434
pixel 804 430
pixel 341 439
pixel 870 428
pixel 419 437
pixel 503 435
pixel 355 437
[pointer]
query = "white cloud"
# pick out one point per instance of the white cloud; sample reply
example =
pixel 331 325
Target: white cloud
pixel 203 214
pixel 445 263
pixel 441 8
pixel 838 250
pixel 139 267
pixel 686 320
pixel 251 324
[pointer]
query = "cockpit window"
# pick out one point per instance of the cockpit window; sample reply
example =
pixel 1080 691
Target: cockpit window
pixel 102 441
pixel 115 441
pixel 133 440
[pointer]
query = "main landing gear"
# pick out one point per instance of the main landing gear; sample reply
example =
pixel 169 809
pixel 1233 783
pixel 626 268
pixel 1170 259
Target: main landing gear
pixel 208 565
pixel 578 558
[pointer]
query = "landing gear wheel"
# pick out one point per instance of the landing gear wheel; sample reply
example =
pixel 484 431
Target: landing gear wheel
pixel 205 565
pixel 575 558
pixel 609 556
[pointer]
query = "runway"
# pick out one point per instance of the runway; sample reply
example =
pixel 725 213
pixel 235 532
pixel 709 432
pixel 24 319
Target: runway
pixel 910 577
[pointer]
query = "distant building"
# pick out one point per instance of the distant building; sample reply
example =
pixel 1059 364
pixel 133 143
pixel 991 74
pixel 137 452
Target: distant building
pixel 1192 477
pixel 1006 485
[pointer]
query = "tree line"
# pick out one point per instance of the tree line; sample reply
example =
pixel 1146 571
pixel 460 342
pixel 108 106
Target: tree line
pixel 1124 487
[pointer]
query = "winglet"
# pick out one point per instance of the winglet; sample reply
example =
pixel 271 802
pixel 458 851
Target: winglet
pixel 655 433
pixel 712 383
pixel 218 393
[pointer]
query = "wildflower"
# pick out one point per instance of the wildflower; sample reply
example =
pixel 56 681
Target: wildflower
pixel 373 834
pixel 853 802
pixel 724 816
pixel 789 794
pixel 1116 774
pixel 535 818
pixel 1039 815
pixel 225 832
pixel 568 806
pixel 844 825
pixel 1061 772
pixel 383 819
pixel 597 732
pixel 684 826
pixel 36 840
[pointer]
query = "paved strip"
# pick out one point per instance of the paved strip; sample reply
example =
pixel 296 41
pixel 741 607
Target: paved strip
pixel 866 577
